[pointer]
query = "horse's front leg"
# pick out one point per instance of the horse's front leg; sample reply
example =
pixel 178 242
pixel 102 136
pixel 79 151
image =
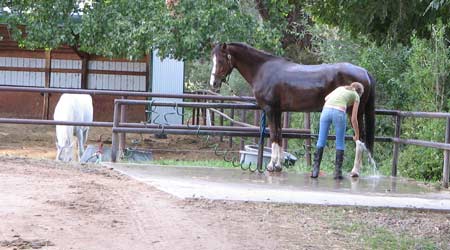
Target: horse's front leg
pixel 275 137
pixel 81 139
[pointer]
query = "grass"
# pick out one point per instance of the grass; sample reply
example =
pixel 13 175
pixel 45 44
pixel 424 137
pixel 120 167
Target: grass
pixel 202 163
pixel 299 167
pixel 375 236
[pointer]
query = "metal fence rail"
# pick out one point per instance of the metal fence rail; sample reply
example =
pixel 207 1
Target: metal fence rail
pixel 128 93
pixel 122 127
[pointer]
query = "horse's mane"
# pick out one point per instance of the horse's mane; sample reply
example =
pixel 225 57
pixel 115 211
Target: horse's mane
pixel 254 50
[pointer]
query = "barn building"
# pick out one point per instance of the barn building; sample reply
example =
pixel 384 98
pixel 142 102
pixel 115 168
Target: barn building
pixel 64 68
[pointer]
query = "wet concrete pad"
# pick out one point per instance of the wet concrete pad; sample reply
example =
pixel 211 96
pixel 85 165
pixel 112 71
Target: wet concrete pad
pixel 235 184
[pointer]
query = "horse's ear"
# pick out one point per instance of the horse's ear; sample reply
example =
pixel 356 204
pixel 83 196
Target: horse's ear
pixel 223 46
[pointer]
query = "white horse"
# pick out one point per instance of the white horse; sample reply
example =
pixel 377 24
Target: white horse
pixel 75 108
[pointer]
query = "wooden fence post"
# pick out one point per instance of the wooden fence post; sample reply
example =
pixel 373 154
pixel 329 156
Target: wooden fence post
pixel 47 76
pixel 398 121
pixel 445 171
pixel 286 124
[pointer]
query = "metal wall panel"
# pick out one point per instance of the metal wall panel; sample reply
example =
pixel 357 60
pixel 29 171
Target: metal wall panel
pixel 66 64
pixel 168 78
pixel 117 81
pixel 65 80
pixel 22 78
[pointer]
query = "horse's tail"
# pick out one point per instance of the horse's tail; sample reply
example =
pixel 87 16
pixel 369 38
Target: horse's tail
pixel 369 115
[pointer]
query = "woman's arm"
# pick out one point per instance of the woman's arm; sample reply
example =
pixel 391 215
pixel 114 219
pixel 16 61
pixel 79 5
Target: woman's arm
pixel 354 120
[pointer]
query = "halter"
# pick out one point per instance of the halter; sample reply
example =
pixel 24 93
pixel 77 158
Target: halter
pixel 226 78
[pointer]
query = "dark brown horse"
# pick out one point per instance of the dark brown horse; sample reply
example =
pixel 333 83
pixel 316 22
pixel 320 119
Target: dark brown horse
pixel 281 85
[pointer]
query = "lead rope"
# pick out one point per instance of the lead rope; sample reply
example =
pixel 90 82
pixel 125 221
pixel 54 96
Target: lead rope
pixel 262 134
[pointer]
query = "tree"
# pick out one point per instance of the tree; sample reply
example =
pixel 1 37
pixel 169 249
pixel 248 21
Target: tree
pixel 130 29
pixel 383 20
pixel 290 17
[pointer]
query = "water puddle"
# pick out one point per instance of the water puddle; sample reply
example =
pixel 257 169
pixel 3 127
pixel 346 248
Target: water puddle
pixel 290 187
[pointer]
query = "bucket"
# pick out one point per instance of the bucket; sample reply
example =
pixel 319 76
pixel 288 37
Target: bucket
pixel 250 156
pixel 130 155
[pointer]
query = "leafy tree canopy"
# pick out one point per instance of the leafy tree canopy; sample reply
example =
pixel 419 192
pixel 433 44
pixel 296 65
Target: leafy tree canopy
pixel 121 28
pixel 382 20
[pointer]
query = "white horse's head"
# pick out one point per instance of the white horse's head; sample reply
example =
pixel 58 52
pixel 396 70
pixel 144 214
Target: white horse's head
pixel 64 152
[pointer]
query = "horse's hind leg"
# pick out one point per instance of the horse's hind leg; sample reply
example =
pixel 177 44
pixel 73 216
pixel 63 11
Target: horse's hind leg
pixel 58 153
pixel 361 126
pixel 275 137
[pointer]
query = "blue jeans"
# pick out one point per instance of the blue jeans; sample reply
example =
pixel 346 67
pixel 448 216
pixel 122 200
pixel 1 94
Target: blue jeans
pixel 339 120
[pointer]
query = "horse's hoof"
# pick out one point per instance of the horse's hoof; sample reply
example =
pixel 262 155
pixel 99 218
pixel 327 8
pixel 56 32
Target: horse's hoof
pixel 278 168
pixel 338 177
pixel 354 174
pixel 270 168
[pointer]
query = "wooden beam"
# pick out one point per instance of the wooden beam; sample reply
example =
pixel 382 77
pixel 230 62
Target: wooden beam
pixel 147 72
pixel 84 71
pixel 117 72
pixel 24 69
pixel 398 122
pixel 48 67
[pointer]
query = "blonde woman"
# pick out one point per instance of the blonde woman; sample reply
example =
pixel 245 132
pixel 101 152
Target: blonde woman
pixel 334 112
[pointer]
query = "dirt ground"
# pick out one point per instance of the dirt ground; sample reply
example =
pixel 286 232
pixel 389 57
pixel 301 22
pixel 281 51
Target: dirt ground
pixel 50 205
pixel 38 141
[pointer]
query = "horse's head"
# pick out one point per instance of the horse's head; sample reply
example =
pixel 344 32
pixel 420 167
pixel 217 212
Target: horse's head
pixel 222 66
pixel 64 152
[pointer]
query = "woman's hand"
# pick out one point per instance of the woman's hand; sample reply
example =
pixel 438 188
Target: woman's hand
pixel 354 120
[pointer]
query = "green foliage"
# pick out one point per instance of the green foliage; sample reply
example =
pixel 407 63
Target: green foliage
pixel 428 166
pixel 198 25
pixel 198 73
pixel 384 62
pixel 427 74
pixel 381 21
pixel 132 28
pixel 428 78
pixel 52 22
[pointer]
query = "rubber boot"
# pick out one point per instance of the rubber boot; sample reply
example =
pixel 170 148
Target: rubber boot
pixel 317 159
pixel 338 165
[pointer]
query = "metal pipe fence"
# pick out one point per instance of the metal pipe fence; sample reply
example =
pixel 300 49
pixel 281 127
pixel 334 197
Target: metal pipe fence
pixel 119 126
pixel 128 93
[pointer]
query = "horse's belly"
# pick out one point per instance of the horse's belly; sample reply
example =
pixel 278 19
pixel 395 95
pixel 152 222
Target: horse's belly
pixel 305 100
pixel 302 107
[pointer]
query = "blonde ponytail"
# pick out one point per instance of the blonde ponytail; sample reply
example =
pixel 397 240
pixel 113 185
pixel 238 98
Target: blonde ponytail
pixel 358 87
